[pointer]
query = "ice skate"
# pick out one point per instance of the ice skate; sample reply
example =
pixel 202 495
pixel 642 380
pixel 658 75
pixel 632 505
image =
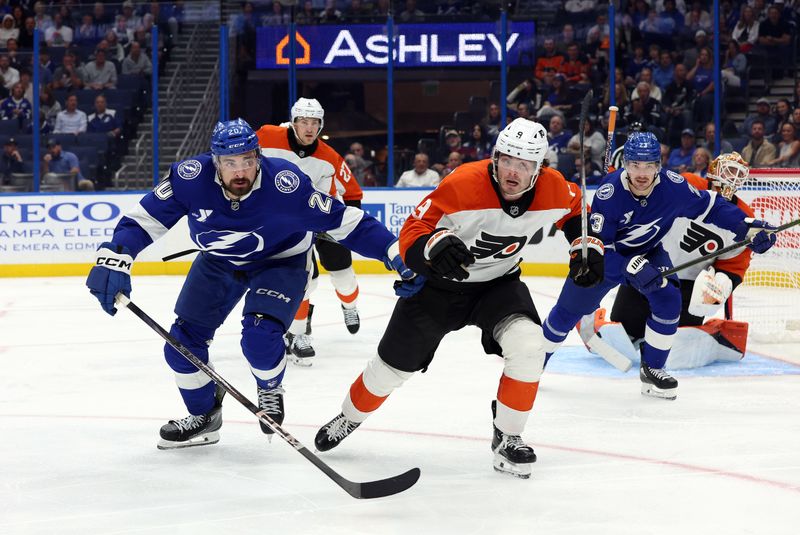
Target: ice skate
pixel 271 402
pixel 330 434
pixel 299 349
pixel 512 455
pixel 658 383
pixel 351 319
pixel 193 430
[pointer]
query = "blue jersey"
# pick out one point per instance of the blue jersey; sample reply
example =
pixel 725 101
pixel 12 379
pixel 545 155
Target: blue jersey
pixel 276 220
pixel 633 225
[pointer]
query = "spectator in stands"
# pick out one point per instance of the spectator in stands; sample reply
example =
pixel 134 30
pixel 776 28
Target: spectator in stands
pixel 104 120
pixel 593 173
pixel 420 176
pixel 671 21
pixel 788 149
pixel 15 59
pixel 593 141
pixel 16 107
pixel 132 20
pixel 71 120
pixel 734 66
pixel 480 148
pixel 86 34
pixel 525 92
pixel 557 136
pixel 574 68
pixel 307 15
pixel 49 109
pixel 665 150
pixel 411 13
pixel 690 55
pixel 796 119
pixel 678 102
pixel 453 160
pixel 64 163
pixel 796 95
pixel 701 76
pixel 100 74
pixel 558 101
pixel 11 161
pixel 9 74
pixel 492 120
pixel 774 37
pixel 763 115
pixel 524 110
pixel 621 94
pixel 26 33
pixel 758 150
pixel 547 59
pixel 680 159
pixel 19 15
pixel 356 11
pixel 700 161
pixel 58 35
pixel 646 76
pixel 330 14
pixel 566 38
pixel 698 19
pixel 709 133
pixel 277 17
pixel 452 140
pixel 43 20
pixel 26 81
pixel 7 29
pixel 115 51
pixel 359 165
pixel 69 75
pixel 635 64
pixel 663 72
pixel 783 111
pixel 644 109
pixel 136 62
pixel 746 30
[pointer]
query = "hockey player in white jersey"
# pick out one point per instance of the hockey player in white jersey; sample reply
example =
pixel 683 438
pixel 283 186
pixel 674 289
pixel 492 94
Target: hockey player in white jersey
pixel 253 220
pixel 299 143
pixel 632 211
pixel 705 287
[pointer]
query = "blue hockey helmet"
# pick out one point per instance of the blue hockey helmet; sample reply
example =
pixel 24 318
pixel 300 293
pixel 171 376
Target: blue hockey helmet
pixel 642 147
pixel 233 137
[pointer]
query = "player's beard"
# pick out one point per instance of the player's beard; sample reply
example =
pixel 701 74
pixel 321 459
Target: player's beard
pixel 239 187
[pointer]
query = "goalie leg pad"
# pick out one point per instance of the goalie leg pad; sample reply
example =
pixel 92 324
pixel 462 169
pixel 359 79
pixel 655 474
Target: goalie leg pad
pixel 371 389
pixel 717 339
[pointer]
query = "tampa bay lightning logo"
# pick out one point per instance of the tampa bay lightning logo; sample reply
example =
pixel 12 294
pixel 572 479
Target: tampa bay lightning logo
pixel 189 169
pixel 675 177
pixel 605 192
pixel 286 181
pixel 638 235
pixel 230 243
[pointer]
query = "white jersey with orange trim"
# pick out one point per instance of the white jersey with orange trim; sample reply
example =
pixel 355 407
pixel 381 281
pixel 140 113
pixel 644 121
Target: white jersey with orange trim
pixel 468 202
pixel 689 239
pixel 327 169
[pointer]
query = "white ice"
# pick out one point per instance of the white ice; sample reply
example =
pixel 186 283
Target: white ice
pixel 82 396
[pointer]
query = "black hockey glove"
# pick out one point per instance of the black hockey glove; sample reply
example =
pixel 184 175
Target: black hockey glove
pixel 595 262
pixel 447 255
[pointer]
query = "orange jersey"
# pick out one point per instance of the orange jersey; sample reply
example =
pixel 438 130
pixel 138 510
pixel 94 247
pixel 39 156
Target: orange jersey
pixel 467 203
pixel 323 165
pixel 690 239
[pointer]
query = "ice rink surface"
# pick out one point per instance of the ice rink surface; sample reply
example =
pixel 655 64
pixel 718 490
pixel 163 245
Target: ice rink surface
pixel 82 396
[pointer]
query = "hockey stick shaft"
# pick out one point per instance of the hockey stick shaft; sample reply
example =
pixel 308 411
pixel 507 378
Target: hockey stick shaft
pixel 373 489
pixel 612 124
pixel 587 100
pixel 729 248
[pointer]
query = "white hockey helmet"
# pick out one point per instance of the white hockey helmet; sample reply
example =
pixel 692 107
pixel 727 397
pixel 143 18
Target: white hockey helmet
pixel 523 139
pixel 309 107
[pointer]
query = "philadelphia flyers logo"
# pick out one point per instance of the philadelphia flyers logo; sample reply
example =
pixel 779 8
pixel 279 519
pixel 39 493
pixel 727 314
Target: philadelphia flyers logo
pixel 698 237
pixel 497 246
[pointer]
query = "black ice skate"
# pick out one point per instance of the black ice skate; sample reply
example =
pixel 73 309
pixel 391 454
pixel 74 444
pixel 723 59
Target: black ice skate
pixel 271 402
pixel 308 319
pixel 658 383
pixel 193 430
pixel 330 434
pixel 351 319
pixel 511 454
pixel 299 349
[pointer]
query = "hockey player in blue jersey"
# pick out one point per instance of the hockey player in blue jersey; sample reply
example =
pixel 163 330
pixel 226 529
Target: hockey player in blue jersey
pixel 632 211
pixel 253 220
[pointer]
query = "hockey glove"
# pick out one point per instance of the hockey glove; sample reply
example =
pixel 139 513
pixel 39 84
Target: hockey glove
pixel 408 288
pixel 110 275
pixel 709 293
pixel 757 229
pixel 394 262
pixel 447 255
pixel 595 263
pixel 644 276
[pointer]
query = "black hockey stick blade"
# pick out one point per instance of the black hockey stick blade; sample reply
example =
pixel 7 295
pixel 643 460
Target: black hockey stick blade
pixel 367 490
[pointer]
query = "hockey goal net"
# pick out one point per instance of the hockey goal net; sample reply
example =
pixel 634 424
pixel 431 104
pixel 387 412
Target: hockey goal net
pixel 769 297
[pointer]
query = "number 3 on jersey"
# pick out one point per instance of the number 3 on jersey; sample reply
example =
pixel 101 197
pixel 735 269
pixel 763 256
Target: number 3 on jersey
pixel 597 221
pixel 318 201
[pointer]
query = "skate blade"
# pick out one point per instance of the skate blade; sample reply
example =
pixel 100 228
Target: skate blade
pixel 205 439
pixel 303 362
pixel 655 392
pixel 504 466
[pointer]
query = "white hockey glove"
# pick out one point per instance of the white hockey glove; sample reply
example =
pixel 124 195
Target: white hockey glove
pixel 710 292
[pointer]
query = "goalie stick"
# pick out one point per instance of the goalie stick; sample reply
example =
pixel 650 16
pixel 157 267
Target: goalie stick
pixel 369 489
pixel 729 248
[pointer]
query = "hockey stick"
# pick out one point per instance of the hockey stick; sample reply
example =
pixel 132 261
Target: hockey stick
pixel 612 123
pixel 369 489
pixel 729 248
pixel 584 203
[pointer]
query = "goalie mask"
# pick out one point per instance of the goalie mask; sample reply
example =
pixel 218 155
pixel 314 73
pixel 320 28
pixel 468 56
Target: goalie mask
pixel 523 139
pixel 728 172
pixel 310 108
